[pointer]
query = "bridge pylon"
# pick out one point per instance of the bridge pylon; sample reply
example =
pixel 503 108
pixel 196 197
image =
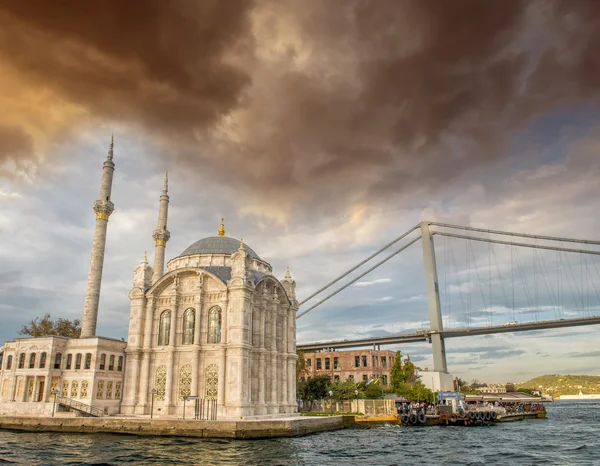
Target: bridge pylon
pixel 433 299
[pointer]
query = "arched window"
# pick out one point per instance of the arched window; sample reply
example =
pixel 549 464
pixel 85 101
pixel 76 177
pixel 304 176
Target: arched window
pixel 185 381
pixel 120 364
pixel 88 361
pixel 214 325
pixel 102 362
pixel 189 320
pixel 164 328
pixel 22 361
pixel 69 361
pixel 9 362
pixel 74 388
pixel 111 362
pixel 212 382
pixel 78 361
pixel 160 383
pixel 43 360
pixel 1 359
pixel 57 360
pixel 32 360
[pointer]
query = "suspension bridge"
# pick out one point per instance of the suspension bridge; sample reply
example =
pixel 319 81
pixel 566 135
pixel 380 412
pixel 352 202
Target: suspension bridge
pixel 570 300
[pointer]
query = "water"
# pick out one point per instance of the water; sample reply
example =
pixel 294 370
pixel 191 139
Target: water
pixel 570 435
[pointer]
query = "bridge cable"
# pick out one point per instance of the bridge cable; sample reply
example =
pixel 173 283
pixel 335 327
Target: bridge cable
pixel 486 312
pixel 569 282
pixel 348 272
pixel 359 277
pixel 524 283
pixel 592 282
pixel 522 235
pixel 460 291
pixel 497 264
pixel 582 312
pixel 525 245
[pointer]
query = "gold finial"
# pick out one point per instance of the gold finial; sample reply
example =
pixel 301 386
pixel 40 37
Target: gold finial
pixel 222 228
pixel 242 243
pixel 145 257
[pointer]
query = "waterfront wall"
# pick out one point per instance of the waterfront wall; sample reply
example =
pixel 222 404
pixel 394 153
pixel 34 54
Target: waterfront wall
pixel 244 429
pixel 368 407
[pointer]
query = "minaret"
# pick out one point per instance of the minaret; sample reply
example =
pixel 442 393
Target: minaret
pixel 103 207
pixel 161 235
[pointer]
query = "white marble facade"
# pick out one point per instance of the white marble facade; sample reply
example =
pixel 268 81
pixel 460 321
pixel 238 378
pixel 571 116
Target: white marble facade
pixel 217 325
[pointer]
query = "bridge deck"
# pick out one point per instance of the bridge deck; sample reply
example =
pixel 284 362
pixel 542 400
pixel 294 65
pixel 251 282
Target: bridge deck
pixel 465 332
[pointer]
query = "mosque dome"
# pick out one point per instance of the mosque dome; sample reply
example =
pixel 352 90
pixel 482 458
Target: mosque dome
pixel 217 245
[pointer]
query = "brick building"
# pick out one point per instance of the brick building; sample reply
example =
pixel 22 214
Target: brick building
pixel 359 365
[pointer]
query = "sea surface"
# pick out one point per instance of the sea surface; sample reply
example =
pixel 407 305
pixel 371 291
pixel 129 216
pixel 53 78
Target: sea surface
pixel 570 435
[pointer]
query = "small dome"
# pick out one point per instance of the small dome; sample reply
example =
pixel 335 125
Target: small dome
pixel 217 245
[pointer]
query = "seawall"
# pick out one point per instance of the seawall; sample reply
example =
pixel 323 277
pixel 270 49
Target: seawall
pixel 241 429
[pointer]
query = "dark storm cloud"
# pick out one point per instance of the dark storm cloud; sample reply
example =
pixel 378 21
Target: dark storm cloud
pixel 338 100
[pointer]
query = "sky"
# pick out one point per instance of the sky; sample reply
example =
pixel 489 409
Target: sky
pixel 320 131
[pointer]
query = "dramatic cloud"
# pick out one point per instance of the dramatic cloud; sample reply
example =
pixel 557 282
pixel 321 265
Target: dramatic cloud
pixel 294 102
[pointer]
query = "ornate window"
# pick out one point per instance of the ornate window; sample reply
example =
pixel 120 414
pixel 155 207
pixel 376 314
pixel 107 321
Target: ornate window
pixel 32 360
pixel 30 389
pixel 69 361
pixel 53 384
pixel 118 391
pixel 109 386
pixel 189 321
pixel 5 389
pixel 65 388
pixel 212 382
pixel 78 361
pixel 21 360
pixel 9 362
pixel 74 389
pixel 185 381
pixel 160 383
pixel 57 360
pixel 100 389
pixel 102 362
pixel 20 388
pixel 120 364
pixel 88 361
pixel 111 362
pixel 43 360
pixel 214 325
pixel 84 389
pixel 164 328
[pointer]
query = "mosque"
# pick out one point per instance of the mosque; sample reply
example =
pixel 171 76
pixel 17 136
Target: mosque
pixel 217 325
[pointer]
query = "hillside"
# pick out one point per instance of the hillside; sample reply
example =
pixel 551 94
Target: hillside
pixel 557 384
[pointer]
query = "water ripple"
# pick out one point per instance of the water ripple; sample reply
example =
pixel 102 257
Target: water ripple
pixel 570 436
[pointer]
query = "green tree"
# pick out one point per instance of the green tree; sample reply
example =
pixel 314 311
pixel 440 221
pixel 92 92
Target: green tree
pixel 397 377
pixel 347 390
pixel 45 326
pixel 373 390
pixel 315 388
pixel 300 366
pixel 510 387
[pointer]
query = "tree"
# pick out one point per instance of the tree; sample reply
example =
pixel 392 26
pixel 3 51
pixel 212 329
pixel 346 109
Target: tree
pixel 46 326
pixel 397 374
pixel 373 389
pixel 315 388
pixel 347 390
pixel 300 366
pixel 510 387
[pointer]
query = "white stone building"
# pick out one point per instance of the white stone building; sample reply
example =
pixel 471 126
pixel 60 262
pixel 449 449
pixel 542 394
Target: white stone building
pixel 217 325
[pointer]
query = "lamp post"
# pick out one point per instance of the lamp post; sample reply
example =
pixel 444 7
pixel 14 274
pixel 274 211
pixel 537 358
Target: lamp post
pixel 153 391
pixel 56 393
pixel 331 401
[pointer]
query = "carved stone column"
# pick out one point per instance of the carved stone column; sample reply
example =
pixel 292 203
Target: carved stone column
pixel 197 329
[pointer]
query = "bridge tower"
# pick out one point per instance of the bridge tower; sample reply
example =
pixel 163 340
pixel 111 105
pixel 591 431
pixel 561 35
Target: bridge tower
pixel 433 299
